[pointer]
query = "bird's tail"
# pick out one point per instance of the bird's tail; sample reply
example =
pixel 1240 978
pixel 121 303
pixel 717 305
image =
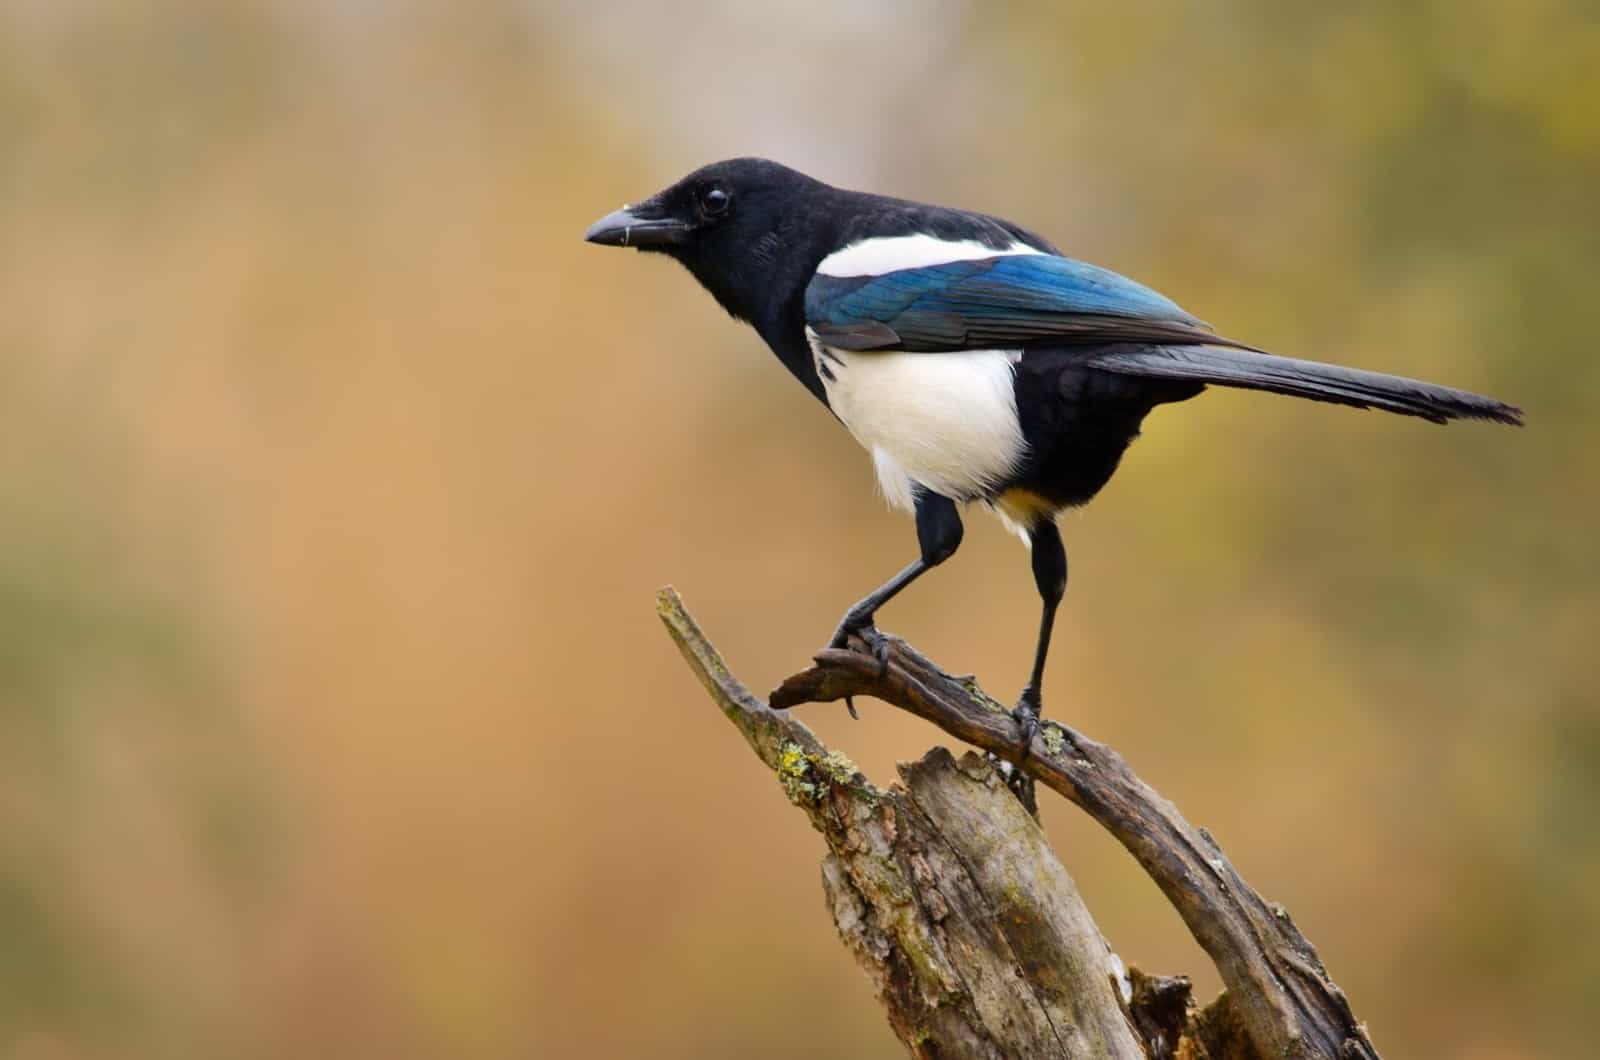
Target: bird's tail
pixel 1253 370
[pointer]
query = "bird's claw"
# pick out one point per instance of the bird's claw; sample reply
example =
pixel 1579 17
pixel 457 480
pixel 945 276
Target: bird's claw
pixel 1026 714
pixel 852 622
pixel 877 644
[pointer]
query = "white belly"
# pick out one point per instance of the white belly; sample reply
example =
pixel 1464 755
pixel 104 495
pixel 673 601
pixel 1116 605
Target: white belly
pixel 946 421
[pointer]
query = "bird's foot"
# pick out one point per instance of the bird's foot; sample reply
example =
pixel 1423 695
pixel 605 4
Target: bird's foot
pixel 860 624
pixel 1027 715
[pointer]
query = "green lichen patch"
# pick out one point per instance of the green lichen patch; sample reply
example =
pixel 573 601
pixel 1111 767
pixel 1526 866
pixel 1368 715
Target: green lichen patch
pixel 838 766
pixel 794 773
pixel 806 775
pixel 1054 742
pixel 792 760
pixel 970 684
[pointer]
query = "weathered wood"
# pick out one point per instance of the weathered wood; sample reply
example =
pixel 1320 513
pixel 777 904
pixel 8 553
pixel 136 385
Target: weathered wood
pixel 1283 995
pixel 945 889
pixel 1279 1000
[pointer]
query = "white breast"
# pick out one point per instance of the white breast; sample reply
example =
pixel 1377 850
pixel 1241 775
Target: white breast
pixel 947 421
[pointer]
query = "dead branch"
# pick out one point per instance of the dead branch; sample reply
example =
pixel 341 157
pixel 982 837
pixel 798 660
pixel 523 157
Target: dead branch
pixel 968 967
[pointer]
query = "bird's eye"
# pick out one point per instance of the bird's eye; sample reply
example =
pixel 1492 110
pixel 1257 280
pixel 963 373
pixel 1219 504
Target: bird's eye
pixel 715 200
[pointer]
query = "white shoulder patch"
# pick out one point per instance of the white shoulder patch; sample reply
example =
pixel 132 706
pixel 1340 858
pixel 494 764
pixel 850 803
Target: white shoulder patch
pixel 874 257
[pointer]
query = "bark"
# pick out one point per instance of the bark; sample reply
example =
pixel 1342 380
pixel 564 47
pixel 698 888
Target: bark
pixel 964 920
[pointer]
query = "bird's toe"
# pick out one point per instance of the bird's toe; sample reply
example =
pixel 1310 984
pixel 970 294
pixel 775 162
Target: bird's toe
pixel 857 624
pixel 851 623
pixel 877 643
pixel 1026 714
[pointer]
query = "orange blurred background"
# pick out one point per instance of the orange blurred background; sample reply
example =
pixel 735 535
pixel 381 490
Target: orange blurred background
pixel 335 719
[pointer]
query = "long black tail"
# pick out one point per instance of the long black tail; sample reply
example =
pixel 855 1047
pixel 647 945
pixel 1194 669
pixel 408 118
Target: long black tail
pixel 1252 370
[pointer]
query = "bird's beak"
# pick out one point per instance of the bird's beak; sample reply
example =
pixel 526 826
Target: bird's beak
pixel 644 226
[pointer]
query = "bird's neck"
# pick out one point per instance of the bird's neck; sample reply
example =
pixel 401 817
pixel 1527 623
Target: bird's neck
pixel 767 285
pixel 785 332
pixel 769 294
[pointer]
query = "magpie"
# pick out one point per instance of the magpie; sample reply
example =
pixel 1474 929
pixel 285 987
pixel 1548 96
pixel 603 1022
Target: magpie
pixel 968 356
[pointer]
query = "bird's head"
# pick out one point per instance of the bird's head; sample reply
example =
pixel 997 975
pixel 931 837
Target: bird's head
pixel 746 228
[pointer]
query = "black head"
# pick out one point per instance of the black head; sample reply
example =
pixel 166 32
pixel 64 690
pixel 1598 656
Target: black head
pixel 750 230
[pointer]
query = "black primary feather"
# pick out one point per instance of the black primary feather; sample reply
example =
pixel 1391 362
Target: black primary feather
pixel 1253 370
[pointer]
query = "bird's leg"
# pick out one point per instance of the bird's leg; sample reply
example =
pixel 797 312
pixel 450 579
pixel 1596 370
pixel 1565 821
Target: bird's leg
pixel 1050 575
pixel 938 535
pixel 859 618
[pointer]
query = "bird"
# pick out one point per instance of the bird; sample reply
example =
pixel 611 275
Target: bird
pixel 973 361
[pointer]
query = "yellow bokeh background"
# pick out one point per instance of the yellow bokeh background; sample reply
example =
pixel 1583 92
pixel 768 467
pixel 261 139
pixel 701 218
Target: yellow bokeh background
pixel 339 474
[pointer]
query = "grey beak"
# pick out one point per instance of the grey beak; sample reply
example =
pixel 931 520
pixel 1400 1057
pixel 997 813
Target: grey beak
pixel 634 227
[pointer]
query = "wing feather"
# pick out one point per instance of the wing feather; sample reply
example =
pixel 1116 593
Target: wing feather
pixel 1007 300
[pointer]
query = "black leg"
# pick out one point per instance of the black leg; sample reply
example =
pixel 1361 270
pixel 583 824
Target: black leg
pixel 1050 575
pixel 859 618
pixel 939 534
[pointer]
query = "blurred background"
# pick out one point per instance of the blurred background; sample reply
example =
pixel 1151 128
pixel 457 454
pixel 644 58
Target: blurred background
pixel 339 473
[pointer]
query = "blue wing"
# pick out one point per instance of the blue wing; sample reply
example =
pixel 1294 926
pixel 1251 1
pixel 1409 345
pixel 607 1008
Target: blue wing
pixel 1005 301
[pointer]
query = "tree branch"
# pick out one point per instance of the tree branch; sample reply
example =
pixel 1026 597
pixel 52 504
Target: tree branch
pixel 1277 988
pixel 945 889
